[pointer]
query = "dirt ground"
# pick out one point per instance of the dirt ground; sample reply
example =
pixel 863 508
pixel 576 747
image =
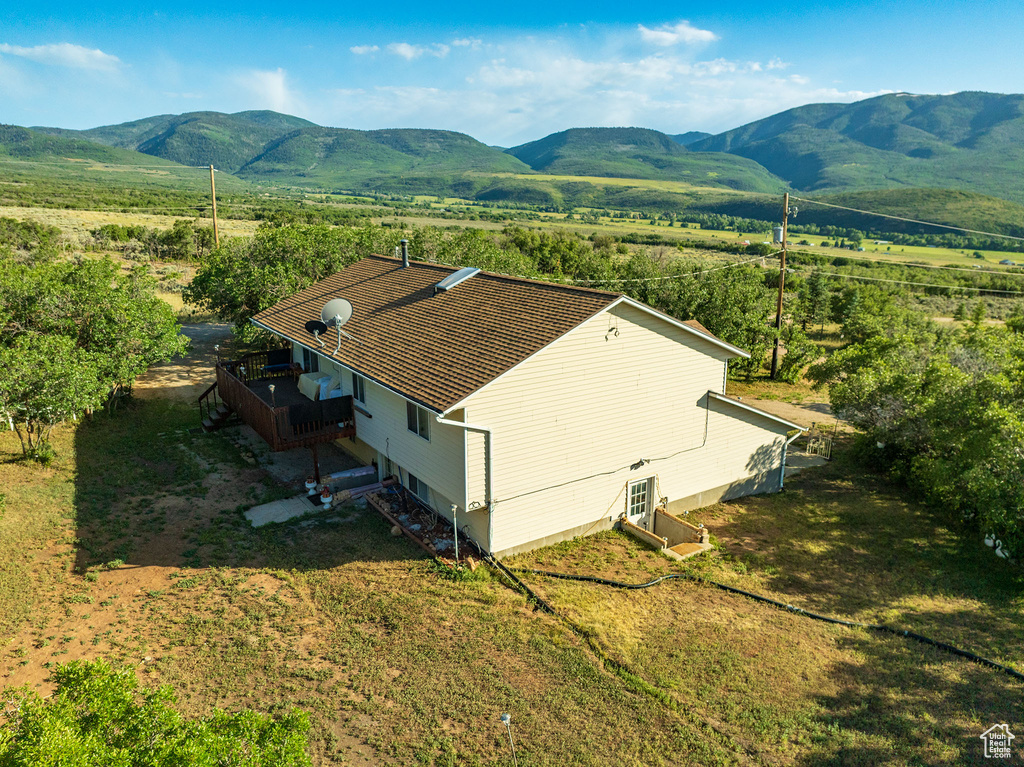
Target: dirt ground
pixel 803 414
pixel 184 379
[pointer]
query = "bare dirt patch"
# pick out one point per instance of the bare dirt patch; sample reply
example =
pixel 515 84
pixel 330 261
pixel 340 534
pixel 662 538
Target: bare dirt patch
pixel 184 379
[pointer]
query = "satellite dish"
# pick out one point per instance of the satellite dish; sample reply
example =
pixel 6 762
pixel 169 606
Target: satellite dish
pixel 315 327
pixel 336 312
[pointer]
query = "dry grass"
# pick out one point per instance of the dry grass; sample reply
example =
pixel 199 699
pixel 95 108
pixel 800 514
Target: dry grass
pixel 793 690
pixel 335 616
pixel 76 223
pixel 133 547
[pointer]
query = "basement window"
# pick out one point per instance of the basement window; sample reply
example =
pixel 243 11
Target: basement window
pixel 418 420
pixel 419 488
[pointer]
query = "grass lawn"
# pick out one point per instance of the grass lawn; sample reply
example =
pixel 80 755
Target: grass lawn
pixel 132 546
pixel 840 542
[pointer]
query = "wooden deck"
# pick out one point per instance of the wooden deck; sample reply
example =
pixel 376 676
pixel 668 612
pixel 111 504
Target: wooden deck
pixel 287 419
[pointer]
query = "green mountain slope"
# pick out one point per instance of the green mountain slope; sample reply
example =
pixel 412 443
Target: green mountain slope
pixel 227 141
pixel 65 171
pixel 639 153
pixel 360 160
pixel 972 141
pixel 690 137
pixel 28 145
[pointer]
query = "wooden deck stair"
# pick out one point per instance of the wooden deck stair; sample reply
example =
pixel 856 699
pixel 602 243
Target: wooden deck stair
pixel 217 418
pixel 214 411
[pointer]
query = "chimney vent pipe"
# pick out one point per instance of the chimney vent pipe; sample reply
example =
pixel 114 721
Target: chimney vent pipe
pixel 405 253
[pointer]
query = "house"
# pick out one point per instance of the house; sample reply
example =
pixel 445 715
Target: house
pixel 535 411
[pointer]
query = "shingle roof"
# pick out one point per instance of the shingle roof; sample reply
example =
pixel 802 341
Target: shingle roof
pixel 435 349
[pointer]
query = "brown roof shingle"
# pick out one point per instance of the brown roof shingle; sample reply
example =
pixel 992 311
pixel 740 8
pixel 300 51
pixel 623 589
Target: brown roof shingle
pixel 435 349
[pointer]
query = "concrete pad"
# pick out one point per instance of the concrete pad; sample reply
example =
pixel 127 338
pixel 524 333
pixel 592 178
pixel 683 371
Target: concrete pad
pixel 280 511
pixel 797 462
pixel 291 467
pixel 687 550
pixel 804 460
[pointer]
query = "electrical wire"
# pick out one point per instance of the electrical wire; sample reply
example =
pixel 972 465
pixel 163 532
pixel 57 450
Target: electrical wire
pixel 909 220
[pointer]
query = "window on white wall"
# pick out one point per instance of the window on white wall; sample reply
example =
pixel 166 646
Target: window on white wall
pixel 310 361
pixel 418 420
pixel 419 488
pixel 359 388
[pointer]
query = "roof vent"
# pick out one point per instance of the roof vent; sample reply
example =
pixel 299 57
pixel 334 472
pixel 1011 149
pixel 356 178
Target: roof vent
pixel 454 279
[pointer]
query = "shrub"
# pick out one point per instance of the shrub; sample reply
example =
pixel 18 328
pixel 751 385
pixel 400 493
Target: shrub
pixel 98 716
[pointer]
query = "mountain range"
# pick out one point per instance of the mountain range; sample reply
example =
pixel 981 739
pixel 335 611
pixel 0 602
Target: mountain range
pixel 966 141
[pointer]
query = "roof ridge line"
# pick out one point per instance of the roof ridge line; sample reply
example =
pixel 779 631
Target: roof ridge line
pixel 501 276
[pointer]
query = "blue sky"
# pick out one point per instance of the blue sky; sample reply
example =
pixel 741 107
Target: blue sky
pixel 504 73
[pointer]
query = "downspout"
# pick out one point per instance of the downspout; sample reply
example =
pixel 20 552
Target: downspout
pixel 782 468
pixel 488 470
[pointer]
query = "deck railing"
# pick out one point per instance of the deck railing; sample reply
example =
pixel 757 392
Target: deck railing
pixel 287 426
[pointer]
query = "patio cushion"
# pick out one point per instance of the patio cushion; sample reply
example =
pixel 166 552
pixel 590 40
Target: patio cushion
pixel 327 385
pixel 309 384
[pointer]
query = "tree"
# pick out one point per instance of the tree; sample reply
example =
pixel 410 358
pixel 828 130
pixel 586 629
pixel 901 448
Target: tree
pixel 46 380
pixel 800 352
pixel 114 315
pixel 734 304
pixel 814 301
pixel 245 276
pixel 98 717
pixel 948 409
pixel 74 334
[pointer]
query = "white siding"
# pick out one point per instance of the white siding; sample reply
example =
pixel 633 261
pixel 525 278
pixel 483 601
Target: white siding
pixel 568 423
pixel 439 461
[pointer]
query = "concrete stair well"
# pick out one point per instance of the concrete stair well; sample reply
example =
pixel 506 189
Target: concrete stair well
pixel 678 539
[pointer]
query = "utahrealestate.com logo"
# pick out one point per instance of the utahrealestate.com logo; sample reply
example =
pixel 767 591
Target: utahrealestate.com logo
pixel 997 741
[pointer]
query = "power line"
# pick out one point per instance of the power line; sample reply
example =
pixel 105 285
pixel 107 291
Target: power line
pixel 909 220
pixel 921 284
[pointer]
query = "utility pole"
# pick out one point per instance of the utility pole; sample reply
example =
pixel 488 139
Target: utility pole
pixel 782 285
pixel 213 196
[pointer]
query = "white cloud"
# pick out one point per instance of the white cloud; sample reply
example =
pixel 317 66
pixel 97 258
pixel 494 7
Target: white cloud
pixel 65 55
pixel 537 87
pixel 473 43
pixel 410 52
pixel 362 50
pixel 673 34
pixel 269 90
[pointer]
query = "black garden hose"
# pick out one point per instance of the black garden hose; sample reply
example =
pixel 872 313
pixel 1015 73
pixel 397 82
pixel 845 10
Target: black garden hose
pixel 766 600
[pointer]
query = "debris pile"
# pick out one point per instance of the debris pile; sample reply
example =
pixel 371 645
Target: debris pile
pixel 421 524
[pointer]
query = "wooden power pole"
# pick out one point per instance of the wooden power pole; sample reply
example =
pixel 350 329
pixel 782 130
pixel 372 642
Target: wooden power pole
pixel 782 286
pixel 213 196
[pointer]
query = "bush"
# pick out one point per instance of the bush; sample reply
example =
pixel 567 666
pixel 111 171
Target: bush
pixel 98 716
